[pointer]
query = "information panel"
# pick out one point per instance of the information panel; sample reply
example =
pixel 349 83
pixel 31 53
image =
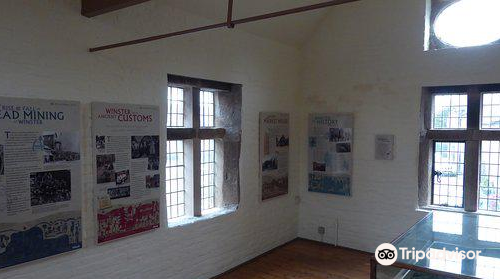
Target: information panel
pixel 126 169
pixel 40 179
pixel 274 154
pixel 330 153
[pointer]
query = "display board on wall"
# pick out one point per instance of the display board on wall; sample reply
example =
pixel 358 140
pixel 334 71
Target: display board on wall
pixel 274 154
pixel 126 169
pixel 40 179
pixel 330 153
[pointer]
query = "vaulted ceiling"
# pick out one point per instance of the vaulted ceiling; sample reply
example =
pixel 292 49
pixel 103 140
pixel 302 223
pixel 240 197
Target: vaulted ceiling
pixel 292 29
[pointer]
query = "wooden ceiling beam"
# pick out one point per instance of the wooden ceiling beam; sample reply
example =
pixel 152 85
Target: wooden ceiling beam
pixel 230 23
pixel 91 8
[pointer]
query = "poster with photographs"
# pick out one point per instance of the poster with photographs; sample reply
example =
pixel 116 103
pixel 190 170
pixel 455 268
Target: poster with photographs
pixel 40 179
pixel 330 153
pixel 126 165
pixel 274 154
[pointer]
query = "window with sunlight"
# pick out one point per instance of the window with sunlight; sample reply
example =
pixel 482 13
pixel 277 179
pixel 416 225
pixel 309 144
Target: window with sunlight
pixel 468 23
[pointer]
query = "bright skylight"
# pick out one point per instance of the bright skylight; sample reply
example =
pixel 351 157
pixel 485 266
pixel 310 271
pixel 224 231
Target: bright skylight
pixel 469 23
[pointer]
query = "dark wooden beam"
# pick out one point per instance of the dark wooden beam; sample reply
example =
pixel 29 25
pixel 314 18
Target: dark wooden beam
pixel 199 83
pixel 228 23
pixel 181 133
pixel 230 14
pixel 192 133
pixel 211 133
pixel 91 8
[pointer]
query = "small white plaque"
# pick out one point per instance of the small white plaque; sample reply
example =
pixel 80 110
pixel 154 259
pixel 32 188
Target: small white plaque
pixel 384 147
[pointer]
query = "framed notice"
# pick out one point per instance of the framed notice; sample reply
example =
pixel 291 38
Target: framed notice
pixel 384 147
pixel 330 153
pixel 40 179
pixel 274 154
pixel 126 159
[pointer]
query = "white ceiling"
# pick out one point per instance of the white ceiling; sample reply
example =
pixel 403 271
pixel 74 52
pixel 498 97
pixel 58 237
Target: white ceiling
pixel 291 29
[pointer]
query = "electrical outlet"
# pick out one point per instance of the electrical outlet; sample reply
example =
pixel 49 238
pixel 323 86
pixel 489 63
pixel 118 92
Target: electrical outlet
pixel 321 230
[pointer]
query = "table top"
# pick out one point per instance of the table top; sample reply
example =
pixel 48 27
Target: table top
pixel 454 231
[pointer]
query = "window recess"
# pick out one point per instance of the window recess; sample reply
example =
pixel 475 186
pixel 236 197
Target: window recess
pixel 459 165
pixel 203 146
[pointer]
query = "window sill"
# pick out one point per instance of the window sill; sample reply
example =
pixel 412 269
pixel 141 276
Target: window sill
pixel 209 214
pixel 429 208
pixel 448 129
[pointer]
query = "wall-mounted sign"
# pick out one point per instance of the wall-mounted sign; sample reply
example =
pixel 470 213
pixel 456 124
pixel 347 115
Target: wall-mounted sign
pixel 126 165
pixel 384 147
pixel 274 154
pixel 40 179
pixel 330 153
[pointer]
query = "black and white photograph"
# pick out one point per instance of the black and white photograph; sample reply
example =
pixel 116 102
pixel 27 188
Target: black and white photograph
pixel 343 147
pixel 122 177
pixel 105 168
pixel 339 135
pixel 153 163
pixel 282 141
pixel 270 163
pixel 100 143
pixel 119 192
pixel 2 164
pixel 50 187
pixel 274 186
pixel 60 147
pixel 145 147
pixel 319 166
pixel 153 181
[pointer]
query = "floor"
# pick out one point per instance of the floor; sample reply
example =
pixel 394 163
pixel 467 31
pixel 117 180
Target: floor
pixel 302 259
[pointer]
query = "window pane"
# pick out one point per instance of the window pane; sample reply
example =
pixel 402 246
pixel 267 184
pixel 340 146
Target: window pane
pixel 207 109
pixel 447 264
pixel 175 179
pixel 175 107
pixel 490 118
pixel 488 267
pixel 489 195
pixel 447 222
pixel 449 111
pixel 489 229
pixel 449 174
pixel 207 174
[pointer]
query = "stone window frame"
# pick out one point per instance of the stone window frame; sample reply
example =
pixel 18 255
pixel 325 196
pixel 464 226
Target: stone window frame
pixel 472 136
pixel 227 136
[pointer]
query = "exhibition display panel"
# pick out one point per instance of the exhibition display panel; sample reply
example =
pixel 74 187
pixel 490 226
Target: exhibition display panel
pixel 127 169
pixel 450 231
pixel 40 179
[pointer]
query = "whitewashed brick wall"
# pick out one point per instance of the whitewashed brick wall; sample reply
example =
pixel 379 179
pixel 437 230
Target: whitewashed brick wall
pixel 43 54
pixel 367 58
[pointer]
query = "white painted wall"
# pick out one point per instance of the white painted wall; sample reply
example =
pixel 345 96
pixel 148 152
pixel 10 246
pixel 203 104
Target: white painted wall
pixel 367 58
pixel 43 54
